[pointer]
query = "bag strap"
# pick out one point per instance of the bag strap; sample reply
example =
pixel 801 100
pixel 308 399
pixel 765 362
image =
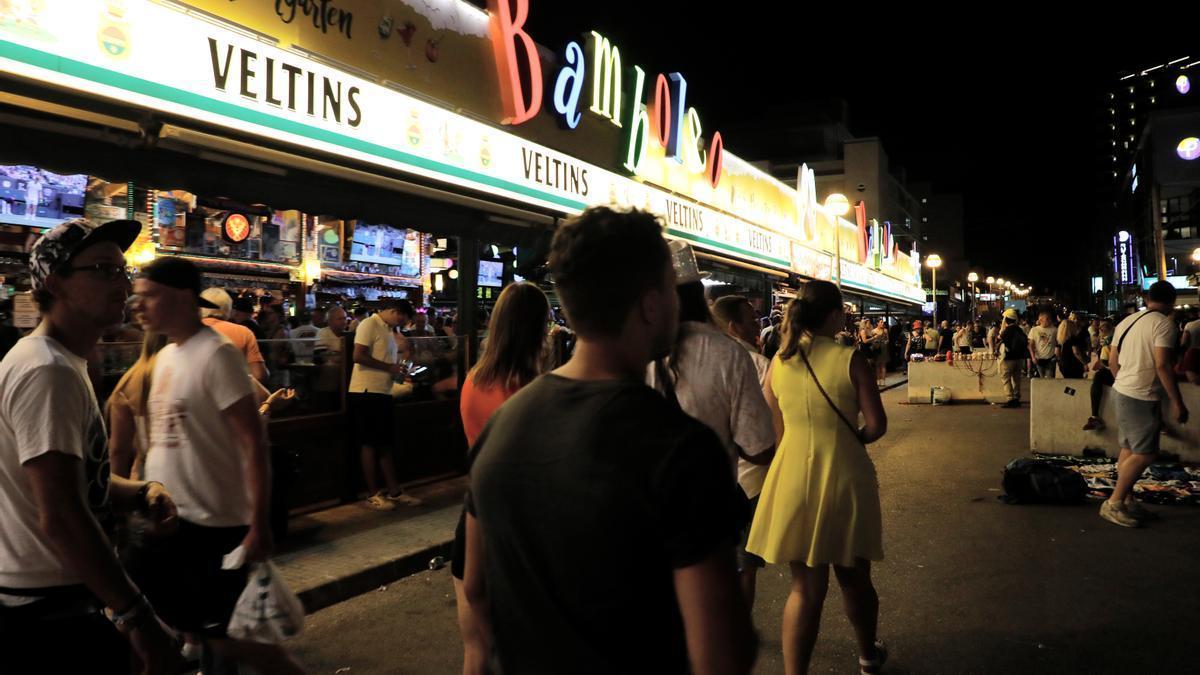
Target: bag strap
pixel 840 414
pixel 1126 333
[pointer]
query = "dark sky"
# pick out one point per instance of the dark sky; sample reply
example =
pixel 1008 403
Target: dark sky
pixel 1003 108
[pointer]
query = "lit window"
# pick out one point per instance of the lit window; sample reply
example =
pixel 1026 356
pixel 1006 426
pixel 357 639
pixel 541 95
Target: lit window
pixel 1131 106
pixel 1153 100
pixel 924 200
pixel 1112 111
pixel 924 220
pixel 1131 90
pixel 1111 96
pixel 1114 158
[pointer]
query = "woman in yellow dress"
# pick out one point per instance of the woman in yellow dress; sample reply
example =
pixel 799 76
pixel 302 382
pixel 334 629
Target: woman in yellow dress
pixel 820 503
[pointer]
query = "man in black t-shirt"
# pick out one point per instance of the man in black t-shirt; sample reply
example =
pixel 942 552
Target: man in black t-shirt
pixel 601 518
pixel 1016 347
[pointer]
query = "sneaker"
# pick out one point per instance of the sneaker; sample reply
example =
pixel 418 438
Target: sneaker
pixel 875 665
pixel 1094 424
pixel 1013 403
pixel 404 499
pixel 1134 508
pixel 377 502
pixel 1117 515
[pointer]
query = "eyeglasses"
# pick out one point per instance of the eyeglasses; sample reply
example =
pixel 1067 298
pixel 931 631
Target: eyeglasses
pixel 108 271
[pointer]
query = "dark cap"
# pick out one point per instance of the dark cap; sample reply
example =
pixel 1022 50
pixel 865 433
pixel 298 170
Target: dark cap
pixel 177 273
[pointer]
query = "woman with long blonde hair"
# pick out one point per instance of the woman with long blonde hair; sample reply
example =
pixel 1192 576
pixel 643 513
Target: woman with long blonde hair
pixel 819 506
pixel 512 358
pixel 128 430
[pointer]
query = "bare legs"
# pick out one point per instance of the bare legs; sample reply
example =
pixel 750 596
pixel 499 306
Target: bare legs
pixel 389 470
pixel 474 644
pixel 802 612
pixel 802 616
pixel 1129 469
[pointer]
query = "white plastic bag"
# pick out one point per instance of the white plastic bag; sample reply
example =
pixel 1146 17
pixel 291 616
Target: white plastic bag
pixel 267 611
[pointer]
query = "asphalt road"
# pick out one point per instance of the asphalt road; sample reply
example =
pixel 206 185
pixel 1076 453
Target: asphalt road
pixel 970 585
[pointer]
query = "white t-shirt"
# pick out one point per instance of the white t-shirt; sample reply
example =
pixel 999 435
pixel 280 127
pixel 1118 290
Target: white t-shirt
pixel 46 405
pixel 1192 328
pixel 1044 341
pixel 377 336
pixel 719 385
pixel 1137 377
pixel 193 451
pixel 752 476
pixel 304 350
pixel 329 340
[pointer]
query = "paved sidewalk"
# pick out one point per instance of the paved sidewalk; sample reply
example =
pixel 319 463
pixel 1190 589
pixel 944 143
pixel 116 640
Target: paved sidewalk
pixel 336 554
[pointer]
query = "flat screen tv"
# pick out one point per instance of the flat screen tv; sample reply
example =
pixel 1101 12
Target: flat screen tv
pixel 379 244
pixel 39 198
pixel 491 273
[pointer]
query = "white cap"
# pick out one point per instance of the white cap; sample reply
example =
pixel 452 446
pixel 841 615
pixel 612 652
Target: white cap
pixel 221 299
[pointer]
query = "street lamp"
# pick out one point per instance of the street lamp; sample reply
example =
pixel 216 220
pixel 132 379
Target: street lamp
pixel 1196 255
pixel 973 277
pixel 934 261
pixel 836 205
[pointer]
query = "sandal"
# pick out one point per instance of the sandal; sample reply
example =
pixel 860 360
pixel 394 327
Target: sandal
pixel 875 665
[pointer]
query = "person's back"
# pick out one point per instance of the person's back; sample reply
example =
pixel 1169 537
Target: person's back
pixel 581 532
pixel 1136 337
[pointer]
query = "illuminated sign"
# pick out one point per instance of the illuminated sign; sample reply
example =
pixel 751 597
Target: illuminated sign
pixel 508 31
pixel 1182 84
pixel 1097 284
pixel 569 85
pixel 1124 259
pixel 1189 148
pixel 236 228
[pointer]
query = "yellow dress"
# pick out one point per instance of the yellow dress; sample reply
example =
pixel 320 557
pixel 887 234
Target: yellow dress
pixel 820 502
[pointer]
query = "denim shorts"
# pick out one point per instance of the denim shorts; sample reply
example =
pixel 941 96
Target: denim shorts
pixel 1138 424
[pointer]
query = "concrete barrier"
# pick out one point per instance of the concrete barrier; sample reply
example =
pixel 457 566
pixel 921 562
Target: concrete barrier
pixel 1057 415
pixel 968 381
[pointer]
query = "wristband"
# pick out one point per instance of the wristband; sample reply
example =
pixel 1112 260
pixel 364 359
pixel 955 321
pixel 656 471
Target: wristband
pixel 132 617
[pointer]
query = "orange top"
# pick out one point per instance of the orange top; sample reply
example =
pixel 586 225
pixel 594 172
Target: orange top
pixel 240 336
pixel 477 405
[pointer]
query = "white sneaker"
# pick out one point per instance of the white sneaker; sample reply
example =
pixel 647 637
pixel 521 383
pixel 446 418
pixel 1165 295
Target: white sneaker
pixel 377 502
pixel 1114 513
pixel 403 498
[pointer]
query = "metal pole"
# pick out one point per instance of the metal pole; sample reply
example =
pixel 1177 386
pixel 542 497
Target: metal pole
pixel 837 245
pixel 935 321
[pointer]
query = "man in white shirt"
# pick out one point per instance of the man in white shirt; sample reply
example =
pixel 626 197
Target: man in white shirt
pixel 208 447
pixel 1191 333
pixel 1043 344
pixel 1140 358
pixel 57 567
pixel 735 315
pixel 376 365
pixel 714 380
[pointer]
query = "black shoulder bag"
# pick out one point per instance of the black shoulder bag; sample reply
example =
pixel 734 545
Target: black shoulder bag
pixel 842 416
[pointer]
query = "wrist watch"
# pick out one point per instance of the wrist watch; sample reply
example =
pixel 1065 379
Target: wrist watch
pixel 133 617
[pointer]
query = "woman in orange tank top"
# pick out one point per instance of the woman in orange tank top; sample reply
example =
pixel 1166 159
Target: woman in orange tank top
pixel 511 359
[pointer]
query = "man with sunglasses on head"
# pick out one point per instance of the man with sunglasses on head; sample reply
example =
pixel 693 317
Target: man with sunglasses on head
pixel 57 568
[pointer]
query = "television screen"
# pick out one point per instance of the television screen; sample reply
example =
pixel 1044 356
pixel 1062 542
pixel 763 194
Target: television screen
pixel 491 273
pixel 39 198
pixel 380 244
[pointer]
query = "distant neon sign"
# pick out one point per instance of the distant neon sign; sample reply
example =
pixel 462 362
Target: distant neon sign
pixel 1182 84
pixel 1188 148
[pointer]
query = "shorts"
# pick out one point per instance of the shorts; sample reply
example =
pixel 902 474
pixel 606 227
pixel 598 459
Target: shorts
pixel 458 553
pixel 372 418
pixel 745 559
pixel 1138 424
pixel 181 576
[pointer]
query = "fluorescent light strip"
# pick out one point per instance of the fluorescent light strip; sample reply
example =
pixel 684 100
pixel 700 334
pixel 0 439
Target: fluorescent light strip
pixel 1171 63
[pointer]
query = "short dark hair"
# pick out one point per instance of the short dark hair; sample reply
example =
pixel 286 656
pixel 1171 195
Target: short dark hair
pixel 603 262
pixel 399 304
pixel 1162 292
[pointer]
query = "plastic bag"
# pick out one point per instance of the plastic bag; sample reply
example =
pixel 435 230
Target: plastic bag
pixel 267 611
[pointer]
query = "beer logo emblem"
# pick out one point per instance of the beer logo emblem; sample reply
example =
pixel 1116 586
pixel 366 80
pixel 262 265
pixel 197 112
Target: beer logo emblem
pixel 113 41
pixel 237 228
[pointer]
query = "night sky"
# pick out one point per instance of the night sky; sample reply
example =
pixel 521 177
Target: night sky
pixel 1012 119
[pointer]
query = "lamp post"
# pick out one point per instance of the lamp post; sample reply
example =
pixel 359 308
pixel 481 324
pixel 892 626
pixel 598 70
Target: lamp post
pixel 934 261
pixel 836 205
pixel 973 277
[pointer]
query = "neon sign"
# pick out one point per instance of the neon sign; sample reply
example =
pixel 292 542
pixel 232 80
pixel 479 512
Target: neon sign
pixel 667 120
pixel 236 228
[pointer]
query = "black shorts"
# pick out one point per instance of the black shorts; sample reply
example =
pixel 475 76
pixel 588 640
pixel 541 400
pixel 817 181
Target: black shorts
pixel 181 575
pixel 372 416
pixel 458 553
pixel 66 634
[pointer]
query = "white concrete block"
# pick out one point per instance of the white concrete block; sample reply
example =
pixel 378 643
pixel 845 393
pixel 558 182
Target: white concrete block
pixel 967 380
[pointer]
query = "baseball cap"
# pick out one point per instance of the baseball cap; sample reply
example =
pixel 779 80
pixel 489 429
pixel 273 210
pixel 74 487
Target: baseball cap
pixel 221 299
pixel 60 243
pixel 1011 314
pixel 177 273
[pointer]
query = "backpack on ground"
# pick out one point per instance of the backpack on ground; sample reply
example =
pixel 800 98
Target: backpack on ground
pixel 1035 481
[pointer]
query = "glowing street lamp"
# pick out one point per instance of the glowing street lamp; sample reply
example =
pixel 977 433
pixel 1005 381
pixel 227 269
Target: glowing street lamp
pixel 1196 255
pixel 972 278
pixel 934 261
pixel 836 206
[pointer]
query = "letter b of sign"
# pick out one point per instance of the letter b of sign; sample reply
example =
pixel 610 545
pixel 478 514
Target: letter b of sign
pixel 508 31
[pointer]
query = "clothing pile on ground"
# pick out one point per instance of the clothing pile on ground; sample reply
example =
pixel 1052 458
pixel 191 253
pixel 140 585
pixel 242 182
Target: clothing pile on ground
pixel 1163 483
